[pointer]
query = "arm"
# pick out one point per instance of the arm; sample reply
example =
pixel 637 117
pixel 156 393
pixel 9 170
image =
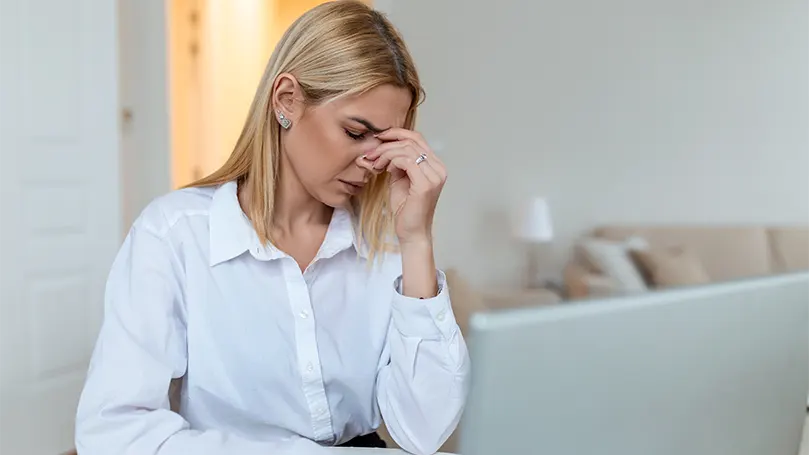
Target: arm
pixel 418 270
pixel 124 407
pixel 421 392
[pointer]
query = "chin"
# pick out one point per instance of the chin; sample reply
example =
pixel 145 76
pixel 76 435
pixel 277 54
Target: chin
pixel 337 200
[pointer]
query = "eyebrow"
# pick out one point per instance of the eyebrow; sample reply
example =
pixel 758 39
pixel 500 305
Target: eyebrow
pixel 368 125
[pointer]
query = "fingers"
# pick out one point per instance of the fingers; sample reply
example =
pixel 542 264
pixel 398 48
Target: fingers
pixel 404 159
pixel 397 135
pixel 432 167
pixel 400 153
pixel 401 134
pixel 380 154
pixel 368 165
pixel 385 148
pixel 387 151
pixel 418 179
pixel 433 175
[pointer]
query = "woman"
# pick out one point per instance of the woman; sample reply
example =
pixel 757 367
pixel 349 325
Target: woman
pixel 294 290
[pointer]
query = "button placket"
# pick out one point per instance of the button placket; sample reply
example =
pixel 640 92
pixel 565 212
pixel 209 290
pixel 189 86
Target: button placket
pixel 307 353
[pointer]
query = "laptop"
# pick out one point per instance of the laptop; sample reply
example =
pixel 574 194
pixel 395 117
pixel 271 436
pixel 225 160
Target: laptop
pixel 716 370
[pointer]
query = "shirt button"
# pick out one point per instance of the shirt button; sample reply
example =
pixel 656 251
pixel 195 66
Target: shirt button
pixel 441 315
pixel 304 314
pixel 309 367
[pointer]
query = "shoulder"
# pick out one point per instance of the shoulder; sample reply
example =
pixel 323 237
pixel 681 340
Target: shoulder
pixel 166 211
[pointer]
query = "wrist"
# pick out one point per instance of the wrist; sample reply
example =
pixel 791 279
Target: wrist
pixel 418 268
pixel 421 249
pixel 416 242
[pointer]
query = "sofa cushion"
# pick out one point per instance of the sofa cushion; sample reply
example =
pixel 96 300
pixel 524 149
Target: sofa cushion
pixel 611 258
pixel 582 283
pixel 727 253
pixel 790 249
pixel 668 267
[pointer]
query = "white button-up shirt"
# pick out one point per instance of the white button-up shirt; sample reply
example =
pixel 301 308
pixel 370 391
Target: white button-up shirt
pixel 273 361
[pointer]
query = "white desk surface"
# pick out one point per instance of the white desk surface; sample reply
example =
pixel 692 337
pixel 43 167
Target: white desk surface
pixel 358 451
pixel 350 451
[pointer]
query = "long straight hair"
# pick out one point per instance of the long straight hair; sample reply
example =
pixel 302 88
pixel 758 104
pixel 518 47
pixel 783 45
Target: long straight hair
pixel 337 49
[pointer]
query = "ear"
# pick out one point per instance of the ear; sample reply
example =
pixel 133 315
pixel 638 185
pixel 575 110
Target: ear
pixel 287 97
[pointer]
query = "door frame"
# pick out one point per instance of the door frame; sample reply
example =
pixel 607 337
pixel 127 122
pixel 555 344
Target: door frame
pixel 144 98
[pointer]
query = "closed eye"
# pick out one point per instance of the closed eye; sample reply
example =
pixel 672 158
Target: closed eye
pixel 356 136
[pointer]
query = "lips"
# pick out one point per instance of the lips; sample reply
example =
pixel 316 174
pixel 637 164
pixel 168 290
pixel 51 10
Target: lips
pixel 353 187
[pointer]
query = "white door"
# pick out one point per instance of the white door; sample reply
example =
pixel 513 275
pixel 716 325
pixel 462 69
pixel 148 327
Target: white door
pixel 60 210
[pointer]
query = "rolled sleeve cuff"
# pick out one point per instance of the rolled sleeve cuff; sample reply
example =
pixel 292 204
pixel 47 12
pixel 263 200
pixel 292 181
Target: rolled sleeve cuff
pixel 424 318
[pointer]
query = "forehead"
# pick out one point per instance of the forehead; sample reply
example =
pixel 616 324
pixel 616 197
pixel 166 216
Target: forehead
pixel 385 106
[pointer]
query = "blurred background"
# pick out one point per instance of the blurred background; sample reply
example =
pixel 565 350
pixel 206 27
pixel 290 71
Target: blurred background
pixel 570 128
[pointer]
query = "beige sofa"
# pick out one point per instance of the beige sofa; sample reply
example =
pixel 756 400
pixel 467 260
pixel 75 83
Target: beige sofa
pixel 726 253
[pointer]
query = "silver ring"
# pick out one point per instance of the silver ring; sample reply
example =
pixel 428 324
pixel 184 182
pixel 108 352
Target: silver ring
pixel 421 158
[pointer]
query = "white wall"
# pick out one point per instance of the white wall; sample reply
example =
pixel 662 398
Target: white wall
pixel 629 111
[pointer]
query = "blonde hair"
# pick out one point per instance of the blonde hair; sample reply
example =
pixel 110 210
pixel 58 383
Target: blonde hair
pixel 337 49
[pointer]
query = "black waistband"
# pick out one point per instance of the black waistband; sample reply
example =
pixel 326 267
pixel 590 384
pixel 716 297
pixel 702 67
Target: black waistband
pixel 370 440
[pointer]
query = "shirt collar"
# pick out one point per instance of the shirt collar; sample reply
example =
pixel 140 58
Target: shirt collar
pixel 231 232
pixel 340 235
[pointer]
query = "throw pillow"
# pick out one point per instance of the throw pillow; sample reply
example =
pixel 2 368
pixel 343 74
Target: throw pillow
pixel 613 259
pixel 675 266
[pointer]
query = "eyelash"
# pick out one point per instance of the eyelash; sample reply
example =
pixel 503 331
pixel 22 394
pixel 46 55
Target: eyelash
pixel 354 136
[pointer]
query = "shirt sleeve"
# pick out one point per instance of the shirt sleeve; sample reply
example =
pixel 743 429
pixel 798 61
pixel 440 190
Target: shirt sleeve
pixel 124 407
pixel 422 390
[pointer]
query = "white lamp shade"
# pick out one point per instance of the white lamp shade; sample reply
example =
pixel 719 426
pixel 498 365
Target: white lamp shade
pixel 534 221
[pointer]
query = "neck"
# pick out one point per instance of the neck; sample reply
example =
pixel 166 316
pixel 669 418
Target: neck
pixel 294 206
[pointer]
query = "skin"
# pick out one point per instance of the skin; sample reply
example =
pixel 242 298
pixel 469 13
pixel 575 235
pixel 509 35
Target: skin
pixel 331 151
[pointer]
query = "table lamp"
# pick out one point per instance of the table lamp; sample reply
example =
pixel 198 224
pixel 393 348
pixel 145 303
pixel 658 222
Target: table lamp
pixel 534 227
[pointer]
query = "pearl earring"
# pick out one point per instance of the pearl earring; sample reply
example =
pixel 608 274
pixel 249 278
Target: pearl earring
pixel 284 121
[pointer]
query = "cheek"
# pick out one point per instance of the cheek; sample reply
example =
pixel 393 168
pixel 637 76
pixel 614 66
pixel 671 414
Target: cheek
pixel 340 151
pixel 319 154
